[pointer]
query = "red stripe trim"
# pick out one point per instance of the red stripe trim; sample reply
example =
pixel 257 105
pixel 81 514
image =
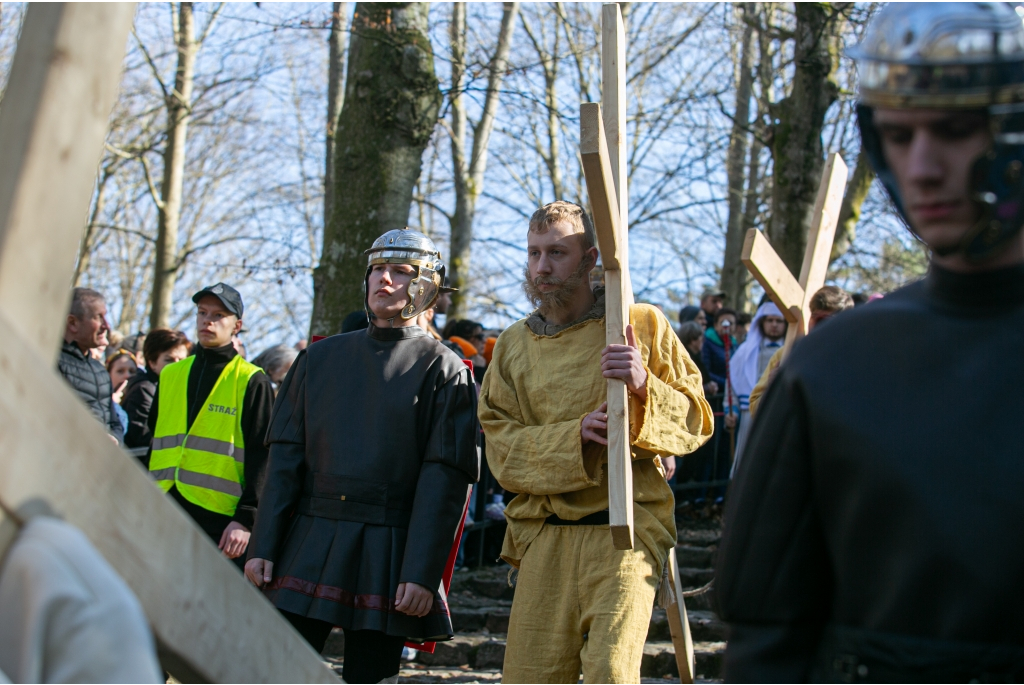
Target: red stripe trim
pixel 344 597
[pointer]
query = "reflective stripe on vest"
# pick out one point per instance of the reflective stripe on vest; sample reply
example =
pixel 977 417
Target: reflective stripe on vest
pixel 207 462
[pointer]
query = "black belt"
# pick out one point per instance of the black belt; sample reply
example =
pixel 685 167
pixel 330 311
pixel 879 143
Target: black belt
pixel 350 510
pixel 598 518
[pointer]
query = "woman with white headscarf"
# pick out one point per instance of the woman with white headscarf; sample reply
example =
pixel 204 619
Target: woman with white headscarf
pixel 767 333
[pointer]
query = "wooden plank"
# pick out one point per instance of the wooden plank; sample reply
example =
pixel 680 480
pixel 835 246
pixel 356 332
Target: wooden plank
pixel 598 175
pixel 613 105
pixel 770 271
pixel 679 622
pixel 62 88
pixel 597 170
pixel 210 623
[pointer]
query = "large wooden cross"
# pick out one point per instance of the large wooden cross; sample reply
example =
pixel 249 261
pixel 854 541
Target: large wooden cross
pixel 603 155
pixel 210 624
pixel 791 295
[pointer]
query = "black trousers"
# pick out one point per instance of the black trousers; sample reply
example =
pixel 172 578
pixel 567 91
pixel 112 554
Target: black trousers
pixel 370 655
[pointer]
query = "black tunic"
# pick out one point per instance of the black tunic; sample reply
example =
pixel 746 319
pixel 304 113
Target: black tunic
pixel 874 528
pixel 373 446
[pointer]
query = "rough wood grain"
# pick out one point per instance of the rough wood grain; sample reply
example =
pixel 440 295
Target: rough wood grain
pixel 211 625
pixel 679 622
pixel 793 296
pixel 769 270
pixel 613 107
pixel 598 174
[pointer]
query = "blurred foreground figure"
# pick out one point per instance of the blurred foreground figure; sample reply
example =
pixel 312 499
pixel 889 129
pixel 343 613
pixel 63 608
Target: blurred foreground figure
pixel 65 614
pixel 873 530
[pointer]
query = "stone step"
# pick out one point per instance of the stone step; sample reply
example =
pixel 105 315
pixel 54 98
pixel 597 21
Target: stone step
pixel 695 556
pixel 704 627
pixel 493 619
pixel 699 537
pixel 660 660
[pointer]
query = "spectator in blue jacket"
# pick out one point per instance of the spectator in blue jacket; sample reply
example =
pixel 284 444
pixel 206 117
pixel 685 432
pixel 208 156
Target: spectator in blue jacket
pixel 714 345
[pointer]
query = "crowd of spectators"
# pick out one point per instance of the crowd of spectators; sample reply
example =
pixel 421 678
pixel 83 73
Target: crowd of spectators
pixel 116 375
pixel 737 355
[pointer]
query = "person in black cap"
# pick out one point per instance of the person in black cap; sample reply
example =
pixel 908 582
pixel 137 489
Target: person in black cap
pixel 209 419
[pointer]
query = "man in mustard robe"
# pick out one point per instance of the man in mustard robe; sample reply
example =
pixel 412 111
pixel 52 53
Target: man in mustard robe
pixel 579 602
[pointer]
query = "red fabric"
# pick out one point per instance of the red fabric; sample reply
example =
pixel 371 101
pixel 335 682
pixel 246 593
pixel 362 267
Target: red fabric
pixel 317 338
pixel 449 568
pixel 341 596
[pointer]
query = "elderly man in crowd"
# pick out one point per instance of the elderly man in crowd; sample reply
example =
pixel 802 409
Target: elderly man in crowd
pixel 86 329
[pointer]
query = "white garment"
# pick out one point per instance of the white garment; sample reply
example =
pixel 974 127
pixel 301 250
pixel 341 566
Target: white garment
pixel 744 364
pixel 66 616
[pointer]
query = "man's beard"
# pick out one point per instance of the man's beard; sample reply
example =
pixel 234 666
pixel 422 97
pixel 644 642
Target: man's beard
pixel 556 300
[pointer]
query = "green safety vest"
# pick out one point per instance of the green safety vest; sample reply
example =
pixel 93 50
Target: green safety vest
pixel 207 462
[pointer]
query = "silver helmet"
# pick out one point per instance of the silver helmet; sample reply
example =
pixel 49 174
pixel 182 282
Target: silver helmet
pixel 958 55
pixel 408 246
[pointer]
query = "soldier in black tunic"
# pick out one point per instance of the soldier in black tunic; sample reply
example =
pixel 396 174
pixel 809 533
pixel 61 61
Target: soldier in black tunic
pixel 373 446
pixel 873 532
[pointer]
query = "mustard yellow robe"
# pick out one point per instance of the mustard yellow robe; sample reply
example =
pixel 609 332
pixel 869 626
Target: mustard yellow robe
pixel 535 393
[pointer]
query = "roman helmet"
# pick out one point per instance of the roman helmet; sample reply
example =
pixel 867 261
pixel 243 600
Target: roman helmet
pixel 958 55
pixel 408 246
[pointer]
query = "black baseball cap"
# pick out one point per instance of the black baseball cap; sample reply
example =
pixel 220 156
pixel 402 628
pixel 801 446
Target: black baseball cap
pixel 225 293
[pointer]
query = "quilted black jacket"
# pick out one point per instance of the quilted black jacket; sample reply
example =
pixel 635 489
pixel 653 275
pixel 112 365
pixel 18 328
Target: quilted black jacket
pixel 92 383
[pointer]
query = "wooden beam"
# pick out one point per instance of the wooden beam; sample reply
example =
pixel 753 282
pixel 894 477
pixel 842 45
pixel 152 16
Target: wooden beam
pixel 62 88
pixel 679 622
pixel 600 178
pixel 210 624
pixel 600 188
pixel 770 271
pixel 793 296
pixel 613 106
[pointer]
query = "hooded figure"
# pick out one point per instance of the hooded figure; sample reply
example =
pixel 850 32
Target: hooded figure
pixel 749 362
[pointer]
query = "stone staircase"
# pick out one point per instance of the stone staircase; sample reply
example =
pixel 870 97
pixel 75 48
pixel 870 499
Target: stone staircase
pixel 481 601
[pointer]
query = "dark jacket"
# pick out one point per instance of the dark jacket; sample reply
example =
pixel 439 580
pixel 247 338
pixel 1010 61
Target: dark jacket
pixel 872 533
pixel 137 402
pixel 256 408
pixel 91 381
pixel 372 448
pixel 714 357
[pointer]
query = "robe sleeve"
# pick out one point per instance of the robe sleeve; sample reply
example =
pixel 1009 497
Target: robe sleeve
pixel 676 419
pixel 548 459
pixel 450 464
pixel 764 381
pixel 773 576
pixel 286 465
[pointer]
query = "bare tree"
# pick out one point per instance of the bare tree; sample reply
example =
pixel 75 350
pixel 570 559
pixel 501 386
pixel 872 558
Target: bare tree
pixel 335 98
pixel 734 275
pixel 179 111
pixel 797 147
pixel 469 174
pixel 391 107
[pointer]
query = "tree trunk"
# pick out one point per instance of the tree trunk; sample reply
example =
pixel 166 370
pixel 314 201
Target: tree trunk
pixel 392 99
pixel 469 180
pixel 796 141
pixel 734 274
pixel 179 110
pixel 335 99
pixel 849 214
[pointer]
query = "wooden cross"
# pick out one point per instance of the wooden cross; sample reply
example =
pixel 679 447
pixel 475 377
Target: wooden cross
pixel 793 296
pixel 603 155
pixel 210 624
